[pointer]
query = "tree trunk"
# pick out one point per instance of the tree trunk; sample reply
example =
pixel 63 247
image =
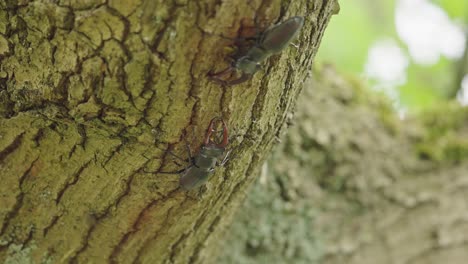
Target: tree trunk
pixel 93 94
pixel 352 183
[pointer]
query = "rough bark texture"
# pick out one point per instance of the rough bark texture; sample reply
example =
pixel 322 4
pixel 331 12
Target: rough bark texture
pixel 93 92
pixel 351 183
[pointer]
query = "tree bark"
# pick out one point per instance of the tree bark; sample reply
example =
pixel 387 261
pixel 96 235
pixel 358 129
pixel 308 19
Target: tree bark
pixel 352 183
pixel 93 94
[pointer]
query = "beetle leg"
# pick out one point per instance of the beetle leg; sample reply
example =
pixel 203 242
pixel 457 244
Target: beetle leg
pixel 218 76
pixel 225 159
pixel 237 40
pixel 241 79
pixel 179 158
pixel 294 45
pixel 188 150
pixel 175 172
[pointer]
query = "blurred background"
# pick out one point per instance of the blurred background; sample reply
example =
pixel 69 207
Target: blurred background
pixel 414 51
pixel 373 168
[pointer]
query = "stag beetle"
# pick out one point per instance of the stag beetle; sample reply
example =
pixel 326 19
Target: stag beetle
pixel 203 164
pixel 271 41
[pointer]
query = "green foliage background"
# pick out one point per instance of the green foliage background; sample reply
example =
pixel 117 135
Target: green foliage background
pixel 361 23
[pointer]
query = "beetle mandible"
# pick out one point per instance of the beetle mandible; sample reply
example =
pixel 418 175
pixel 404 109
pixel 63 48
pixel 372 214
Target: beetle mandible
pixel 271 41
pixel 203 164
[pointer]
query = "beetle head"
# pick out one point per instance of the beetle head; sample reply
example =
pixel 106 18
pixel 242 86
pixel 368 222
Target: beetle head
pixel 247 65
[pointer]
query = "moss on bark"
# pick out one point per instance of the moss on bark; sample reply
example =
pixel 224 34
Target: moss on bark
pixel 92 95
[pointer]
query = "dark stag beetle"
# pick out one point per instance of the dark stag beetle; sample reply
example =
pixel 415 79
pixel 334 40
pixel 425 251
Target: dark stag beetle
pixel 271 41
pixel 203 164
